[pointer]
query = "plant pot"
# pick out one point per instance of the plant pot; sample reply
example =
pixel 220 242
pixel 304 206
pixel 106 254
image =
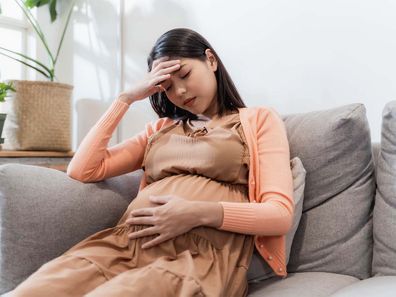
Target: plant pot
pixel 3 117
pixel 38 116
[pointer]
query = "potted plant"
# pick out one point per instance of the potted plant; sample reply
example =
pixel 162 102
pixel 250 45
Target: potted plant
pixel 39 116
pixel 5 88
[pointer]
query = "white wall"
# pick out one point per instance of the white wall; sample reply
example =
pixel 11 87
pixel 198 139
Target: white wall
pixel 295 56
pixel 96 74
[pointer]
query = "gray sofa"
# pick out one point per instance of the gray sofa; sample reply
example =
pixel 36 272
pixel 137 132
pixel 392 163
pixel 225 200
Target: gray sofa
pixel 345 243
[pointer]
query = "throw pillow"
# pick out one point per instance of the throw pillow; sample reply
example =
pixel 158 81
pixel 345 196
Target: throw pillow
pixel 335 231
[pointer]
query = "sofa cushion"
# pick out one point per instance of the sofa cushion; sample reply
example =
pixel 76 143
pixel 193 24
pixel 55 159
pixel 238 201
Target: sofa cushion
pixel 335 231
pixel 379 286
pixel 307 284
pixel 258 268
pixel 384 260
pixel 39 223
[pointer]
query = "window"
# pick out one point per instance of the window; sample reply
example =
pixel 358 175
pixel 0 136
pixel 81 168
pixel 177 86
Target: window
pixel 13 36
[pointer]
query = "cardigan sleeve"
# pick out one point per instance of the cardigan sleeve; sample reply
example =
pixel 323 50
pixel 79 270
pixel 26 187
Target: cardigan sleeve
pixel 94 161
pixel 273 213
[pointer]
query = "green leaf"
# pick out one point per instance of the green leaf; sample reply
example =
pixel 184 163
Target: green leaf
pixel 4 89
pixel 49 75
pixel 35 3
pixel 64 29
pixel 52 10
pixel 25 6
pixel 35 25
pixel 26 57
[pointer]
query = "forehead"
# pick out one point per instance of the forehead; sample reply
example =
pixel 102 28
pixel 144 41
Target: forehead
pixel 187 61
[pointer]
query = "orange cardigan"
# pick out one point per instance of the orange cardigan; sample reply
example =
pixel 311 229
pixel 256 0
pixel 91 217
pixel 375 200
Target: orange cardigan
pixel 270 177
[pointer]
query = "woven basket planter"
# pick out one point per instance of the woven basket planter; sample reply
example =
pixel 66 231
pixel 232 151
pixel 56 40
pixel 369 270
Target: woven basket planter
pixel 3 117
pixel 38 116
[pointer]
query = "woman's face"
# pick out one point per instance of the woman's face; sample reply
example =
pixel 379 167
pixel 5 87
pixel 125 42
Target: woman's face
pixel 194 79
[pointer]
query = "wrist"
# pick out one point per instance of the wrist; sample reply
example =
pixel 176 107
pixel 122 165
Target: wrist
pixel 208 213
pixel 125 98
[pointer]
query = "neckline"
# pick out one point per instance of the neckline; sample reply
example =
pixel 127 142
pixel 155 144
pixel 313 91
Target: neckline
pixel 210 121
pixel 206 123
pixel 204 118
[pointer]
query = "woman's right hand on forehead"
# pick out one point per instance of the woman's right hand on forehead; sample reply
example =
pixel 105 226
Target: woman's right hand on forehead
pixel 151 83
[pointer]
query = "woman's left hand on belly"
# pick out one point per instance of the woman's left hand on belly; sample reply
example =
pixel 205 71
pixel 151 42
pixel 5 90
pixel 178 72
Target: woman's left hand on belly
pixel 174 216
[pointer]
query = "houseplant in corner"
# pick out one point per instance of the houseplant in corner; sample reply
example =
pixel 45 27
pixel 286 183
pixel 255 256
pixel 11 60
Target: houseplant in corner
pixel 5 88
pixel 39 115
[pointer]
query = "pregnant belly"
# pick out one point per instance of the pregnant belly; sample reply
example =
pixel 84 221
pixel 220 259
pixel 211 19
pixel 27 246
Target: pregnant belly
pixel 189 187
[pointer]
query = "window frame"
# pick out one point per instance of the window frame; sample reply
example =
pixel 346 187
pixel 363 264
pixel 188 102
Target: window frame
pixel 22 26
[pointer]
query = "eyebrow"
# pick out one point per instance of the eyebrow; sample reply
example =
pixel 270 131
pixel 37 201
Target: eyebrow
pixel 181 66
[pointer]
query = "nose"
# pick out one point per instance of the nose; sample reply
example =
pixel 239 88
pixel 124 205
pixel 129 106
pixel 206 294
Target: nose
pixel 180 90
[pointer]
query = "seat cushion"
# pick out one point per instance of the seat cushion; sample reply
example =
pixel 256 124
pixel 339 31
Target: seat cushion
pixel 335 231
pixel 384 260
pixel 307 284
pixel 44 212
pixel 379 286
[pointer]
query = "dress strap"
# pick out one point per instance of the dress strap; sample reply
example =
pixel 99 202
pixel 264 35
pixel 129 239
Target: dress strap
pixel 155 136
pixel 246 155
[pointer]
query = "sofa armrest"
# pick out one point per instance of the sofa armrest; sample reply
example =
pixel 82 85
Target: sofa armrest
pixel 44 212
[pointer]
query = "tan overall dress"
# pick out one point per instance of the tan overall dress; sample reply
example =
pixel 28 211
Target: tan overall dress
pixel 205 163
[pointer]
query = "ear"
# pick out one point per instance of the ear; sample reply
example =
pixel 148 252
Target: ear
pixel 211 59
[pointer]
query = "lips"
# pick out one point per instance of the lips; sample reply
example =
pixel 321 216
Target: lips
pixel 188 100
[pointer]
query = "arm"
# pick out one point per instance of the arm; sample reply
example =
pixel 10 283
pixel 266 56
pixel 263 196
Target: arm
pixel 93 161
pixel 274 186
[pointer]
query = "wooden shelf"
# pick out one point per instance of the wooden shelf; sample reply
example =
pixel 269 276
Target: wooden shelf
pixel 29 154
pixel 50 159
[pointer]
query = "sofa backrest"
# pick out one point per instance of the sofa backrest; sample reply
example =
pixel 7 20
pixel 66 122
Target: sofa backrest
pixel 335 231
pixel 375 149
pixel 384 260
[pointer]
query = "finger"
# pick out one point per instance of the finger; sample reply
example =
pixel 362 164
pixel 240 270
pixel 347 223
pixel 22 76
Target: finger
pixel 159 60
pixel 160 79
pixel 170 69
pixel 173 64
pixel 141 212
pixel 159 239
pixel 160 199
pixel 160 88
pixel 163 75
pixel 142 233
pixel 140 221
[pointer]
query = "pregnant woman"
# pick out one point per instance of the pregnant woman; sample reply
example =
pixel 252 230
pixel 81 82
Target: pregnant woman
pixel 217 186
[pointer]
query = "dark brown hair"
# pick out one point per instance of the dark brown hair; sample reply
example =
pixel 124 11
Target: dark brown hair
pixel 183 42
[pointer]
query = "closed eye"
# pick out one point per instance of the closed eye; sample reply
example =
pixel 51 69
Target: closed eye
pixel 186 75
pixel 181 77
